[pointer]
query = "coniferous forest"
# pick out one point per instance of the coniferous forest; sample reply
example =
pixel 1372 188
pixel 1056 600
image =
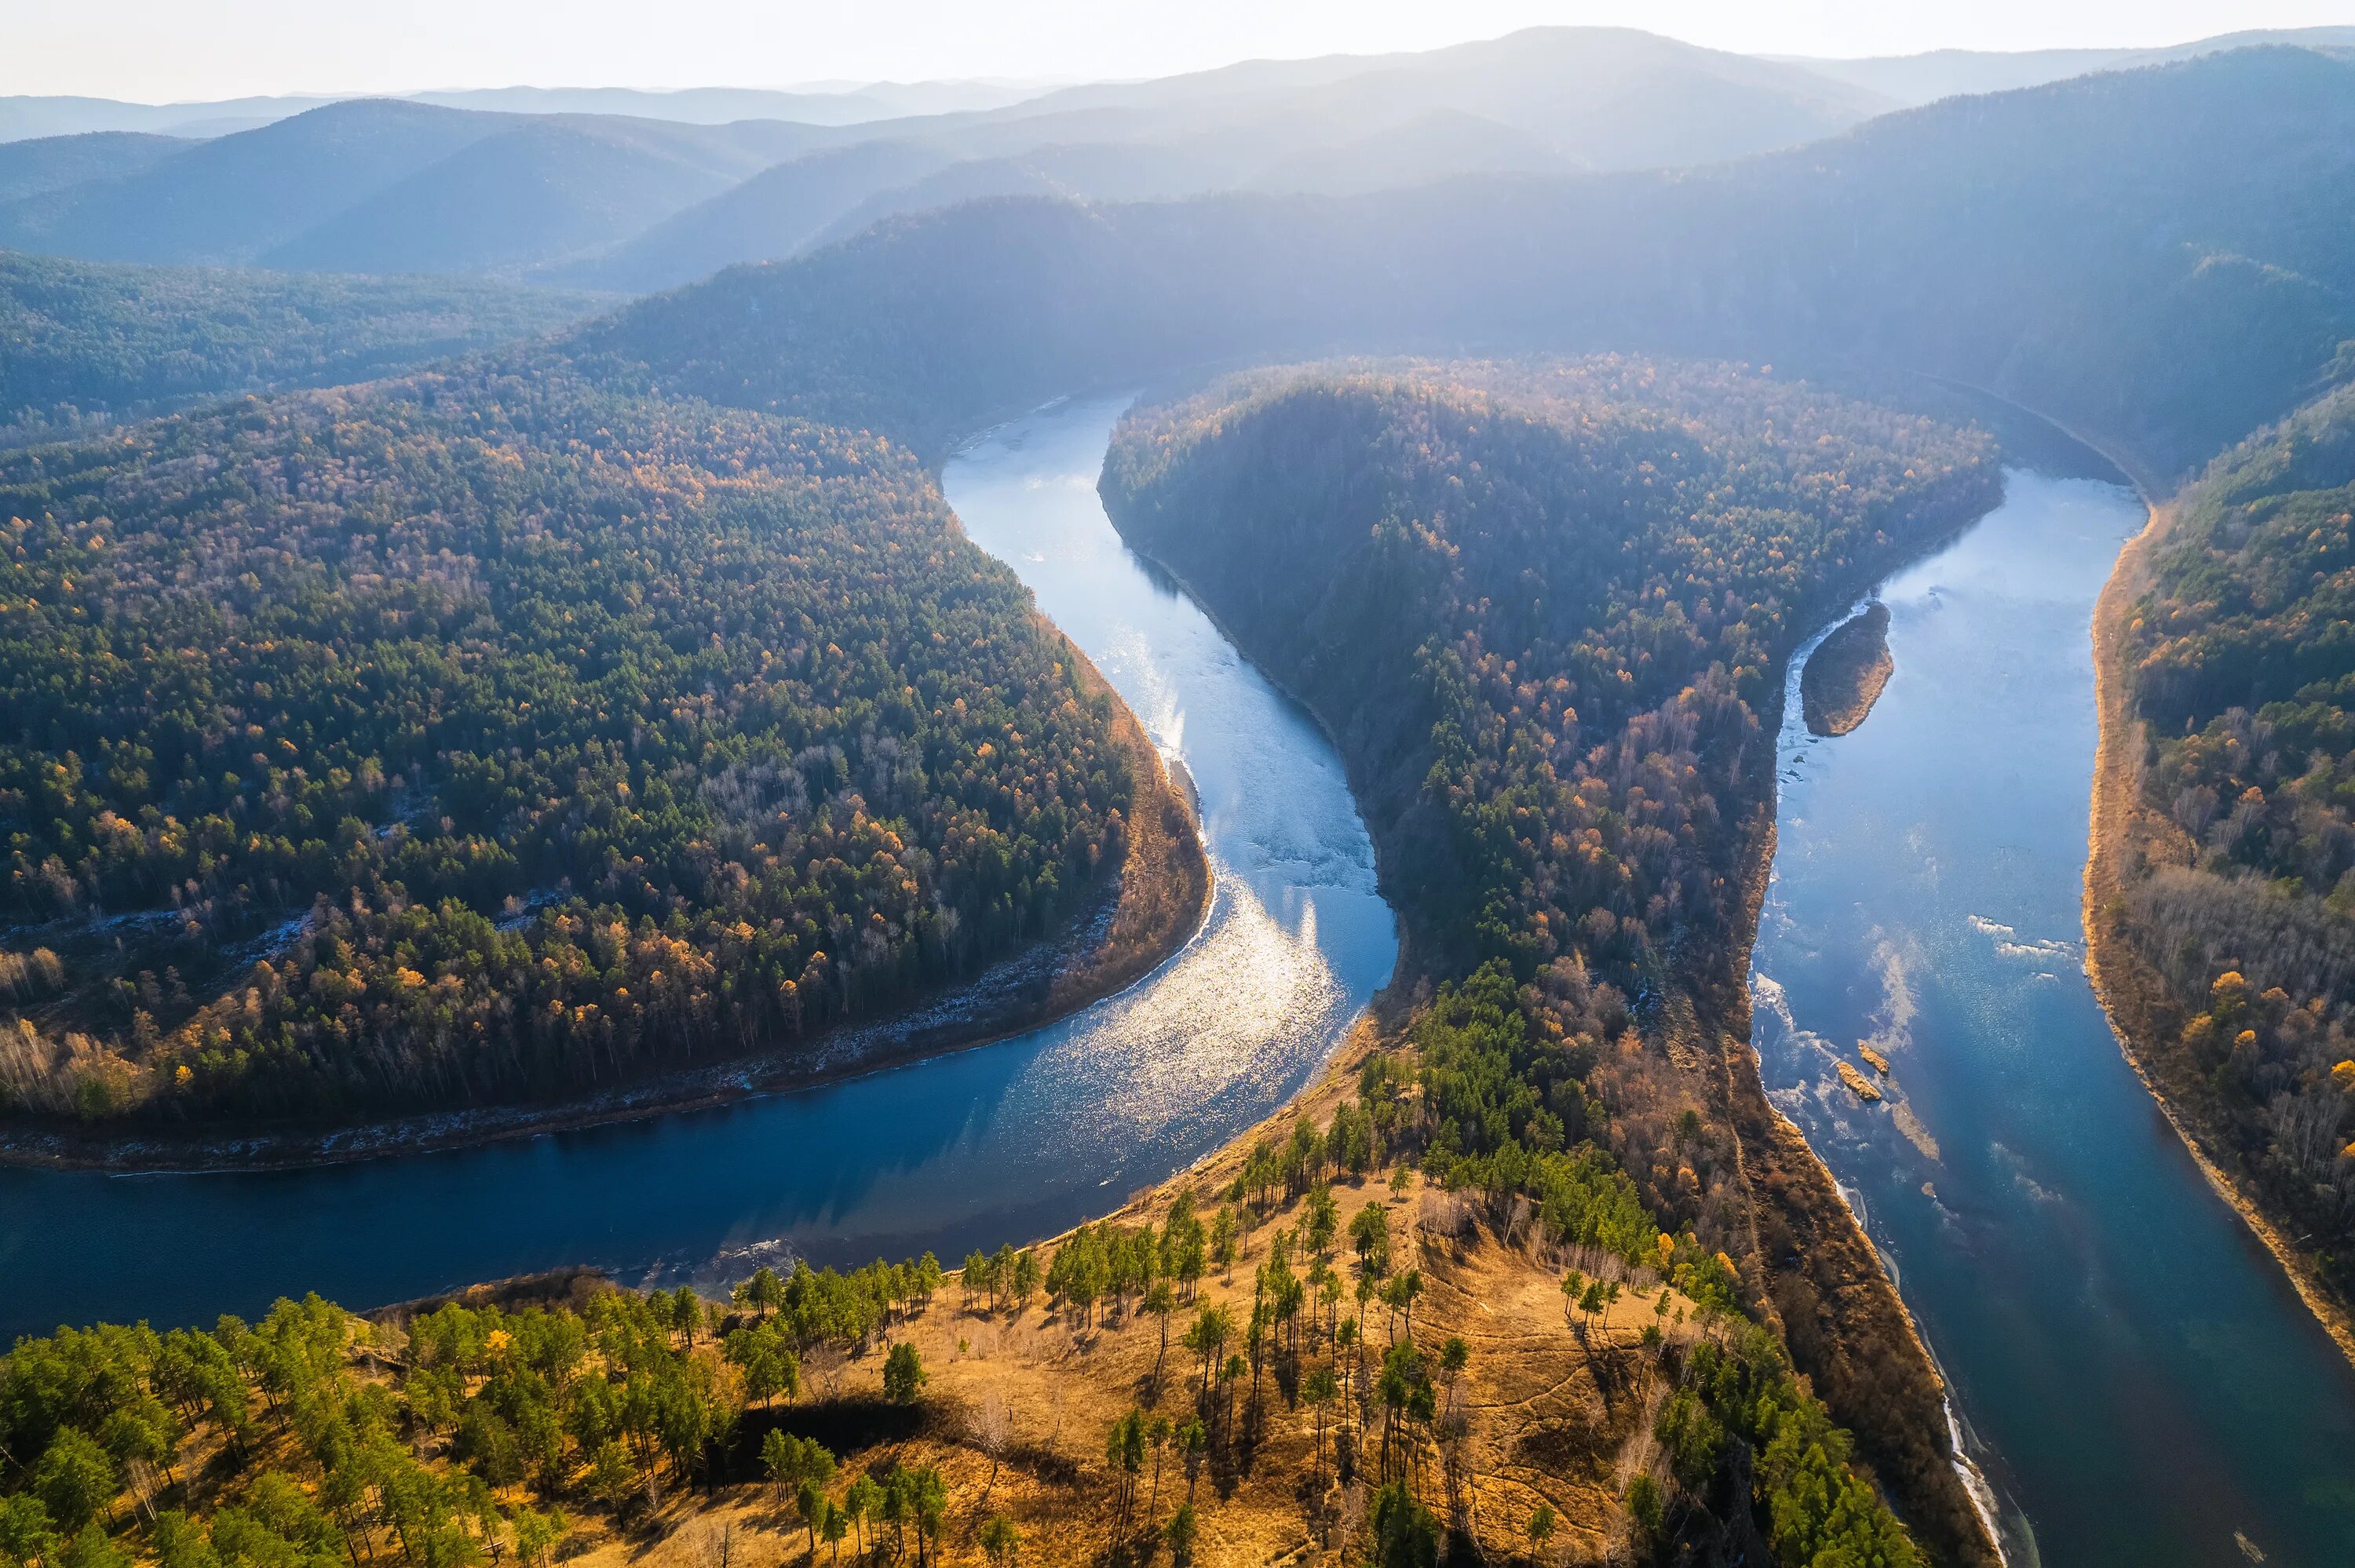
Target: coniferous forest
pixel 430 698
pixel 88 344
pixel 2237 886
pixel 487 736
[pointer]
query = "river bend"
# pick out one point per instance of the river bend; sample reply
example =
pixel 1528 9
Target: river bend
pixel 1002 1142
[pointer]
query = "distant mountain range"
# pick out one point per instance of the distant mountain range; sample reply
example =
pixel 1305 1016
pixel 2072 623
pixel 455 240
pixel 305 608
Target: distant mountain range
pixel 608 200
pixel 2158 259
pixel 613 190
pixel 1915 79
pixel 24 118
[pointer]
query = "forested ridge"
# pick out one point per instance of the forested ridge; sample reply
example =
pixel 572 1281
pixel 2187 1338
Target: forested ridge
pixel 92 343
pixel 1543 606
pixel 485 736
pixel 2239 894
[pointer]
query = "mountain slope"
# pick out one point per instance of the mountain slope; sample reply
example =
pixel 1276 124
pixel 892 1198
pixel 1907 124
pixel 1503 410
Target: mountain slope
pixel 83 341
pixel 53 163
pixel 535 190
pixel 386 186
pixel 2223 918
pixel 233 199
pixel 720 710
pixel 773 215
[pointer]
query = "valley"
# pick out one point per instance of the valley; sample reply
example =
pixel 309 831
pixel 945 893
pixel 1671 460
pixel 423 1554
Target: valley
pixel 1309 711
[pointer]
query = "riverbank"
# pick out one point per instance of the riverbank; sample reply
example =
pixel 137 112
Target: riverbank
pixel 2125 838
pixel 1147 910
pixel 1838 1311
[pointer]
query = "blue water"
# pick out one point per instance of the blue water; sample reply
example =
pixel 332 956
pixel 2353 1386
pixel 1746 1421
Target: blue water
pixel 2138 1382
pixel 1007 1141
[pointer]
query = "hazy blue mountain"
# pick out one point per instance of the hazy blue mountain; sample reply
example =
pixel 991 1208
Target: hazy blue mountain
pixel 1602 97
pixel 27 116
pixel 719 105
pixel 773 215
pixel 536 190
pixel 236 199
pixel 1608 97
pixel 1546 101
pixel 381 186
pixel 1439 145
pixel 52 163
pixel 2160 258
pixel 1942 73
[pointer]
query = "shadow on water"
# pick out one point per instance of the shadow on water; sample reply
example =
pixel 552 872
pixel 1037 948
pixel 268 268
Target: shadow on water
pixel 1006 1141
pixel 2142 1384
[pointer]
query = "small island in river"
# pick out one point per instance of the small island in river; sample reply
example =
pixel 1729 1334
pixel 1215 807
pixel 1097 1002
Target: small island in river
pixel 1844 676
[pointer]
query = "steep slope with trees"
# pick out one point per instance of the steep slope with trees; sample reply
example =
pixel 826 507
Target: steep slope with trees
pixel 1545 607
pixel 86 343
pixel 52 163
pixel 1202 1371
pixel 2223 903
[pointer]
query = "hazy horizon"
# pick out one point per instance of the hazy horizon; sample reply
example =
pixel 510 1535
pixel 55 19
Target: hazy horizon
pixel 146 51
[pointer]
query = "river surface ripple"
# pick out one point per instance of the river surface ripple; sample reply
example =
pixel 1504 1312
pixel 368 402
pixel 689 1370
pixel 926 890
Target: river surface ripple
pixel 2135 1375
pixel 1006 1141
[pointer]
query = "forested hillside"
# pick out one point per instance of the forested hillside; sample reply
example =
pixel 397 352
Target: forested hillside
pixel 487 735
pixel 2237 894
pixel 88 341
pixel 2150 258
pixel 52 163
pixel 1543 607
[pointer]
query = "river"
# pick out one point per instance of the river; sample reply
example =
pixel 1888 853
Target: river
pixel 1002 1142
pixel 2135 1375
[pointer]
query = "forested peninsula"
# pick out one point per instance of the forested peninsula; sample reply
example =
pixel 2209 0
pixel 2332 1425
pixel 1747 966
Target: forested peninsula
pixel 489 738
pixel 1545 607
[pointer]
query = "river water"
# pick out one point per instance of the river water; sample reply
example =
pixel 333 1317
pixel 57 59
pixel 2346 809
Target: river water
pixel 1003 1142
pixel 2135 1375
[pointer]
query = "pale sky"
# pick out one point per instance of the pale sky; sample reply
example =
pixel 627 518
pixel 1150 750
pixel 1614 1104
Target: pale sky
pixel 170 51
